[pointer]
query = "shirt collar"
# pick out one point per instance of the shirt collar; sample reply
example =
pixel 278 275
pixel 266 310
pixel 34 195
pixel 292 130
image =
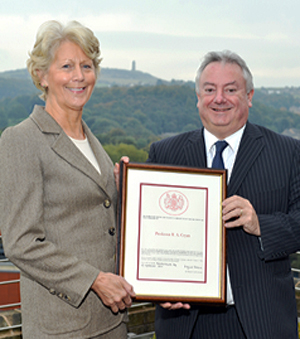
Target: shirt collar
pixel 233 140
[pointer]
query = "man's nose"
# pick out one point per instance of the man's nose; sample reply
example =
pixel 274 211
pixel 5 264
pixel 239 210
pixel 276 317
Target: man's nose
pixel 220 97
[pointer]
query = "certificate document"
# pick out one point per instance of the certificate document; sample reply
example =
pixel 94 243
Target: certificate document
pixel 172 233
pixel 171 239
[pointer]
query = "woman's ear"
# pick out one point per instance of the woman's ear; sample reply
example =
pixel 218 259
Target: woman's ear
pixel 43 78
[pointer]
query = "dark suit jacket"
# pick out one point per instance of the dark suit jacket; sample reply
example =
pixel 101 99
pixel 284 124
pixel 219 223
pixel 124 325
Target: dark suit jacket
pixel 267 173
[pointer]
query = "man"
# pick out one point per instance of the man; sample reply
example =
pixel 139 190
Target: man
pixel 261 213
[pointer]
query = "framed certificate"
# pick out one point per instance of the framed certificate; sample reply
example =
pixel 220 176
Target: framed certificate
pixel 171 239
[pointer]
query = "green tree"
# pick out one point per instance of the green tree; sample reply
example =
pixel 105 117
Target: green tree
pixel 117 151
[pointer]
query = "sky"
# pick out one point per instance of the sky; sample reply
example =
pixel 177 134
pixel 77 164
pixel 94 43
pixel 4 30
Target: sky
pixel 167 38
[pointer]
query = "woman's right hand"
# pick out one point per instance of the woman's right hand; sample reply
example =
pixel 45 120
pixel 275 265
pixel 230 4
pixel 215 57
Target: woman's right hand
pixel 114 291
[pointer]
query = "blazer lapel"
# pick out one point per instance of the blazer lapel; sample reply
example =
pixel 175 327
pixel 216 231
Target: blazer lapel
pixel 66 149
pixel 101 156
pixel 250 148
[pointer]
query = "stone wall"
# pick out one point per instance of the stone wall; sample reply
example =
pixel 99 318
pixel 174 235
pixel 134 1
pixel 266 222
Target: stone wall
pixel 10 318
pixel 141 318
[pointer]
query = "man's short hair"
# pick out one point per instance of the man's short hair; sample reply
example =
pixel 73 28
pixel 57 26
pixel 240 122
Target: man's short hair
pixel 226 57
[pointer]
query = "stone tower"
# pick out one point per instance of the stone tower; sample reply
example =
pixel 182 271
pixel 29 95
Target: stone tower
pixel 133 66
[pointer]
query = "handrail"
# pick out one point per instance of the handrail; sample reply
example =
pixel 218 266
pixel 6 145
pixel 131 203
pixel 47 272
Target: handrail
pixel 7 282
pixel 12 327
pixel 4 260
pixel 10 305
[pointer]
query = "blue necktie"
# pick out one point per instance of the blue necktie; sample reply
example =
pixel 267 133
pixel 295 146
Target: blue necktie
pixel 218 160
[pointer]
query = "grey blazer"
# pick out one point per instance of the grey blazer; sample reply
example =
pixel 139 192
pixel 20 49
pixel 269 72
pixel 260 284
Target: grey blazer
pixel 58 221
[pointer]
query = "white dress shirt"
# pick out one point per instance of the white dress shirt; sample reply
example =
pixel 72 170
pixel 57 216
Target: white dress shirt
pixel 229 156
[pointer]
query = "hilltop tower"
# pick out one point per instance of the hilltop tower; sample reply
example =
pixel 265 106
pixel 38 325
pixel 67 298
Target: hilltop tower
pixel 133 66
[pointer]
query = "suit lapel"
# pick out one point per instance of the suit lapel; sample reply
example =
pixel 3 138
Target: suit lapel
pixel 250 148
pixel 193 150
pixel 66 149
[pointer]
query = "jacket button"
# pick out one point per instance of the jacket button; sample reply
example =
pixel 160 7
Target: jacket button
pixel 67 298
pixel 112 231
pixel 107 203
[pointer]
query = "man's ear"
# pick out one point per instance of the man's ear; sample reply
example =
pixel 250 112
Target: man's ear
pixel 250 96
pixel 198 99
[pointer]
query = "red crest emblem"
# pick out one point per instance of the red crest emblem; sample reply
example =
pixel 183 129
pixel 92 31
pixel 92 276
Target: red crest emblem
pixel 173 202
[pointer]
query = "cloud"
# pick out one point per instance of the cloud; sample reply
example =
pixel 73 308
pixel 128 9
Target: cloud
pixel 167 38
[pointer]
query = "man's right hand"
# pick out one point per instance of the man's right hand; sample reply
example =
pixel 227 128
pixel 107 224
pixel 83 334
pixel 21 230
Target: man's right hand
pixel 175 306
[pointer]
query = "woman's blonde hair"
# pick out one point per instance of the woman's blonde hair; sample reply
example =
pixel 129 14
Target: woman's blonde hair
pixel 49 37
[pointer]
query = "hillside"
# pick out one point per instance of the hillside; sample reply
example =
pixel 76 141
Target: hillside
pixel 147 111
pixel 18 82
pixel 122 77
pixel 133 107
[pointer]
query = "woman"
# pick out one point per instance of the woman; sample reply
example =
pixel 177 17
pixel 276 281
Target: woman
pixel 58 199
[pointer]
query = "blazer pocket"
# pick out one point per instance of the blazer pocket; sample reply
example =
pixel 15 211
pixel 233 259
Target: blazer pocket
pixel 58 317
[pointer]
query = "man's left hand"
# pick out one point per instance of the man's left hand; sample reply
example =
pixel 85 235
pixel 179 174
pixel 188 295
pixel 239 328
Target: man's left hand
pixel 237 212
